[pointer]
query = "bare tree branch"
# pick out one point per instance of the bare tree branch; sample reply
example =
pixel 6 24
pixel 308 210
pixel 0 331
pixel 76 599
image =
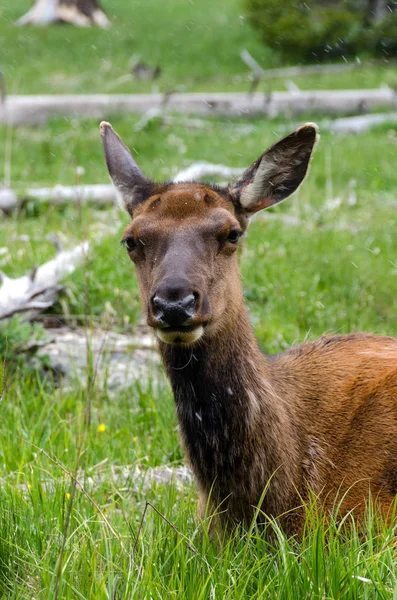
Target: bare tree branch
pixel 38 109
pixel 35 292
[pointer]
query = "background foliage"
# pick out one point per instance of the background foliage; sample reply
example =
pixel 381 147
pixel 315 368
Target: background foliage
pixel 197 47
pixel 319 30
pixel 325 261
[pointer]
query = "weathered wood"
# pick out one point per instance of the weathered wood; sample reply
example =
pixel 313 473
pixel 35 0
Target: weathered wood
pixel 37 291
pixel 360 123
pixel 199 170
pixel 98 194
pixel 121 360
pixel 38 109
pixel 101 194
pixel 261 73
pixel 60 194
pixel 9 201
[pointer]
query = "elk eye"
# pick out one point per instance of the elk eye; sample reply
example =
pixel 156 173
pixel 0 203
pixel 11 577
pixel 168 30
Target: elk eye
pixel 129 243
pixel 233 236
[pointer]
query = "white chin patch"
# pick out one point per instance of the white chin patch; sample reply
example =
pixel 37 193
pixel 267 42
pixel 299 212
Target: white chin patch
pixel 180 337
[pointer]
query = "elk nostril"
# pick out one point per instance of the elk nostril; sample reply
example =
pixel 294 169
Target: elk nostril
pixel 172 311
pixel 197 301
pixel 159 307
pixel 158 302
pixel 188 301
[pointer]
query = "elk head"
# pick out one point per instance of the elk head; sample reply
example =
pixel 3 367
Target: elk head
pixel 183 237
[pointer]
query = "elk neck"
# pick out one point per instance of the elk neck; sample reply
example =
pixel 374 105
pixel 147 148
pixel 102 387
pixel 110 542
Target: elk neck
pixel 232 421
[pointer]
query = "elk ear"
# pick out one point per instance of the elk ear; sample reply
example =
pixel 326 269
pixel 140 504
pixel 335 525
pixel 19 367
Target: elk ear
pixel 277 173
pixel 131 184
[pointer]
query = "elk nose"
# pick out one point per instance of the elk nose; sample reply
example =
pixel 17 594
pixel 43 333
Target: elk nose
pixel 174 309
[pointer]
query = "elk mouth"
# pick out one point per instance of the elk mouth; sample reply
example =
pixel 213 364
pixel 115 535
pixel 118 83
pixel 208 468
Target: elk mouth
pixel 185 335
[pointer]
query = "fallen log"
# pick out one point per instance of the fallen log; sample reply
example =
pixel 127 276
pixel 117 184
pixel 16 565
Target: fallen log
pixel 37 110
pixel 199 170
pixel 360 123
pixel 102 194
pixel 99 195
pixel 121 360
pixel 262 73
pixel 37 291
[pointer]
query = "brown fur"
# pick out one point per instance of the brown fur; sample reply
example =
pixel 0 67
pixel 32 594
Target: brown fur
pixel 321 416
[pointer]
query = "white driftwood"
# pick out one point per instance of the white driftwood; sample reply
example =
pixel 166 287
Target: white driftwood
pixel 360 123
pixel 102 194
pixel 79 194
pixel 202 169
pixel 38 291
pixel 38 109
pixel 8 200
pixel 99 195
pixel 121 360
pixel 136 478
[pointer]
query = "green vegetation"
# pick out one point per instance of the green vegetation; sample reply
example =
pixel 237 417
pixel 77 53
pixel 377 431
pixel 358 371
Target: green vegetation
pixel 193 44
pixel 197 45
pixel 333 560
pixel 293 292
pixel 19 342
pixel 320 30
pixel 323 261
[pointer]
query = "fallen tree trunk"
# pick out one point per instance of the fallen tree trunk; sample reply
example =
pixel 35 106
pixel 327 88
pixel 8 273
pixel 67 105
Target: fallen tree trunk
pixel 202 169
pixel 38 109
pixel 37 291
pixel 258 71
pixel 60 194
pixel 360 123
pixel 99 194
pixel 82 13
pixel 102 194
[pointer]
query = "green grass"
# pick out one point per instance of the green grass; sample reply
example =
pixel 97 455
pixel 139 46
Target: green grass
pixel 103 558
pixel 197 45
pixel 333 269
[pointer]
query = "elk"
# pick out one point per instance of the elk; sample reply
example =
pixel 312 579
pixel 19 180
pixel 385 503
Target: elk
pixel 320 417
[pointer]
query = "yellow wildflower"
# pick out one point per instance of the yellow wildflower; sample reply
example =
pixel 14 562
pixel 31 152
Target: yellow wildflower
pixel 101 427
pixel 67 496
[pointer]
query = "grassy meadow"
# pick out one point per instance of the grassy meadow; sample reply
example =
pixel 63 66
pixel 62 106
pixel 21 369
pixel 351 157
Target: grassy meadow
pixel 196 44
pixel 74 518
pixel 323 261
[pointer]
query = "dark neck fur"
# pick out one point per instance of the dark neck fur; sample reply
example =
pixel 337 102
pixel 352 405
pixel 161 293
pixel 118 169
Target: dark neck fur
pixel 229 424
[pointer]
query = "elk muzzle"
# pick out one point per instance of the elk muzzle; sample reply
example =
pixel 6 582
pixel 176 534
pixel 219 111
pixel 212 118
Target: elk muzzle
pixel 174 313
